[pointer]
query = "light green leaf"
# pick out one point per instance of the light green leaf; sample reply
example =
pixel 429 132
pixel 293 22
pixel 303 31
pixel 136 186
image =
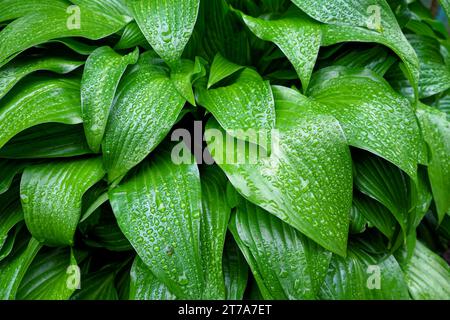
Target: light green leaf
pixel 101 76
pixel 166 24
pixel 17 69
pixel 285 264
pixel 84 20
pixel 12 9
pixel 14 268
pixel 446 6
pixel 427 275
pixel 214 223
pixel 373 116
pixel 436 133
pixel 47 278
pixel 221 68
pixel 298 36
pixel 307 179
pixel 145 286
pixel 147 106
pixel 235 270
pixel 364 21
pixel 185 74
pixel 159 209
pixel 361 276
pixel 47 141
pixel 245 104
pixel 51 197
pixel 37 101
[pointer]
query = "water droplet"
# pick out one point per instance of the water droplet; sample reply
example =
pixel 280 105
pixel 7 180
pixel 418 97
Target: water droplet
pixel 24 198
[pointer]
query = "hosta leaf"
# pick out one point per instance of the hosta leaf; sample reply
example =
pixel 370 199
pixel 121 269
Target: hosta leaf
pixel 358 222
pixel 10 213
pixel 221 68
pixel 214 223
pixel 166 24
pixel 361 276
pixel 101 76
pixel 14 268
pixel 285 264
pixel 378 215
pixel 39 101
pixel 185 74
pixel 434 73
pixel 245 104
pixel 47 278
pixel 71 21
pixel 159 210
pixel 436 133
pixel 298 36
pixel 75 45
pixel 51 197
pixel 145 286
pixel 427 275
pixel 131 37
pixel 378 59
pixel 372 115
pixel 446 6
pixel 12 9
pixel 146 107
pixel 235 270
pixel 8 170
pixel 98 285
pixel 47 141
pixel 17 69
pixel 365 21
pixel 306 181
pixel 10 241
pixel 385 183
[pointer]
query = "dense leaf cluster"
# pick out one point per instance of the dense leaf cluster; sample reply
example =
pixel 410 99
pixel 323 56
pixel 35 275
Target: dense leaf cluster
pixel 353 203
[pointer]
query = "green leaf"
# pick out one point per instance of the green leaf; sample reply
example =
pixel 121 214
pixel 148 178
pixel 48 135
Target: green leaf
pixel 235 270
pixel 385 183
pixel 101 76
pixel 362 21
pixel 159 209
pixel 221 68
pixel 47 141
pixel 12 9
pixel 298 36
pixel 166 24
pixel 10 241
pixel 307 179
pixel 372 115
pixel 446 6
pixel 131 37
pixel 185 74
pixel 8 170
pixel 10 213
pixel 19 68
pixel 38 101
pixel 51 197
pixel 13 269
pixel 436 133
pixel 85 20
pixel 357 277
pixel 245 104
pixel 98 285
pixel 144 284
pixel 213 228
pixel 47 278
pixel 427 275
pixel 147 106
pixel 377 214
pixel 285 264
